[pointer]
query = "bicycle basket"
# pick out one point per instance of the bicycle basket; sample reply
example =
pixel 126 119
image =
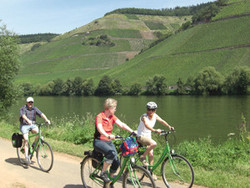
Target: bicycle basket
pixel 97 155
pixel 129 147
pixel 17 140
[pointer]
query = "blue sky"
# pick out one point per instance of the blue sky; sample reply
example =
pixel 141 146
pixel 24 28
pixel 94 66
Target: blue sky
pixel 60 16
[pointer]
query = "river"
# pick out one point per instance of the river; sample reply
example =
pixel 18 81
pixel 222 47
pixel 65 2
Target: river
pixel 193 117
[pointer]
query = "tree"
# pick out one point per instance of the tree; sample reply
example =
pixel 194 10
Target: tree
pixel 77 86
pixel 135 89
pixel 104 86
pixel 180 87
pixel 116 87
pixel 156 86
pixel 208 82
pixel 28 89
pixel 237 81
pixel 68 88
pixel 88 87
pixel 9 66
pixel 58 87
pixel 205 14
pixel 189 85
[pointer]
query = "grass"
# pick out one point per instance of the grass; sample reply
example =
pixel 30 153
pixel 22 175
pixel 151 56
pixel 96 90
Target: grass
pixel 155 25
pixel 236 8
pixel 222 165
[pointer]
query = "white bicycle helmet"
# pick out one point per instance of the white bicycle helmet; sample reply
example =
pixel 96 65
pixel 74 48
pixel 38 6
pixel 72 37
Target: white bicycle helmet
pixel 151 105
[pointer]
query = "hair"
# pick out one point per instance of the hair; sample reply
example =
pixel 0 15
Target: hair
pixel 109 103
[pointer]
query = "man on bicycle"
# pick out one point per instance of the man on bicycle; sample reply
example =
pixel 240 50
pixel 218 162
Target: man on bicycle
pixel 28 114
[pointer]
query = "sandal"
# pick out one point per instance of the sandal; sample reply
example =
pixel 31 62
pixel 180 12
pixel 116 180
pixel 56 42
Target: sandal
pixel 144 162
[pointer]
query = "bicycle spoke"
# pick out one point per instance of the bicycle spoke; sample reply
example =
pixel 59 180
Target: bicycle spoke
pixel 131 178
pixel 177 172
pixel 89 174
pixel 45 156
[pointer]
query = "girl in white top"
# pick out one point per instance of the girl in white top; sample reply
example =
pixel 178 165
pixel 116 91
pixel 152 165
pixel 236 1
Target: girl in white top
pixel 146 126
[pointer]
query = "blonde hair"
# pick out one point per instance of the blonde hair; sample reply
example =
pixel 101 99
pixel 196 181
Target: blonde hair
pixel 109 102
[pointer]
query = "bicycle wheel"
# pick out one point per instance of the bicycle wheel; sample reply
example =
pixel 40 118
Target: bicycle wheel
pixel 88 166
pixel 21 154
pixel 45 156
pixel 131 179
pixel 178 174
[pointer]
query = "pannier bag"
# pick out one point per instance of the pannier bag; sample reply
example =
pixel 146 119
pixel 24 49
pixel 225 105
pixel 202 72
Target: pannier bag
pixel 17 140
pixel 97 155
pixel 129 147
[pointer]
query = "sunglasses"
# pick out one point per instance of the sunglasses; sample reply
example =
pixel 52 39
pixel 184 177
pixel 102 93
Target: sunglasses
pixel 151 110
pixel 30 102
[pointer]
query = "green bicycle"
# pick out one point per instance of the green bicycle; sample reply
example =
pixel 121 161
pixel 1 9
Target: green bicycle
pixel 91 168
pixel 176 170
pixel 44 153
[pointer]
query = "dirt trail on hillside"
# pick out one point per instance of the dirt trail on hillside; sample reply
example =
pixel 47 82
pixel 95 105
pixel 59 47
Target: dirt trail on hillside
pixel 64 174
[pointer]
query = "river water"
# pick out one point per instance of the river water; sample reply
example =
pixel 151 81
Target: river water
pixel 193 117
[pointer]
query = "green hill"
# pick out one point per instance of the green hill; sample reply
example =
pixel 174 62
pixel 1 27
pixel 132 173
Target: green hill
pixel 223 43
pixel 94 48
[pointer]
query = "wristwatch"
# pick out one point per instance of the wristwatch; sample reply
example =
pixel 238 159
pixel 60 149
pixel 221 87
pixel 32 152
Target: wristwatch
pixel 108 137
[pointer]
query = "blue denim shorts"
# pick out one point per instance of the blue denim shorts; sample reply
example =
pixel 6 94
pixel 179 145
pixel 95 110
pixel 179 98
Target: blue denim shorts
pixel 26 128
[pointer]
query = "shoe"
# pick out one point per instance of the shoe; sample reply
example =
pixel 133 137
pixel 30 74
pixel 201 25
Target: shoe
pixel 27 160
pixel 144 162
pixel 104 177
pixel 154 177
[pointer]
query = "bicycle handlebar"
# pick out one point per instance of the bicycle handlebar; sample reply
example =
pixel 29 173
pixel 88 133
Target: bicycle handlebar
pixel 163 132
pixel 117 137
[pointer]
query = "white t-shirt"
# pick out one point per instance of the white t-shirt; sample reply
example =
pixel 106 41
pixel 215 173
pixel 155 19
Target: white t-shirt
pixel 142 130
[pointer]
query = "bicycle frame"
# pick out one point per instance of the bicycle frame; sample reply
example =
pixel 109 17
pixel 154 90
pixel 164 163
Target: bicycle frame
pixel 39 134
pixel 166 152
pixel 114 179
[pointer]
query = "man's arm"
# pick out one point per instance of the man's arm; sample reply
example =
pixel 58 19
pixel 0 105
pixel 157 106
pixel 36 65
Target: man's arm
pixel 45 118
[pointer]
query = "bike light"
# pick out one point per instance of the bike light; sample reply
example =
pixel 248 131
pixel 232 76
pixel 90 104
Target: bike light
pixel 132 160
pixel 172 151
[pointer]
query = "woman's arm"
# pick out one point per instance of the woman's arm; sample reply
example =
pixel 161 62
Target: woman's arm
pixel 123 125
pixel 163 122
pixel 145 121
pixel 102 131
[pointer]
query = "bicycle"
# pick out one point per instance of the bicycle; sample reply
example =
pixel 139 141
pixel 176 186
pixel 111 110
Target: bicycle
pixel 44 153
pixel 176 170
pixel 91 168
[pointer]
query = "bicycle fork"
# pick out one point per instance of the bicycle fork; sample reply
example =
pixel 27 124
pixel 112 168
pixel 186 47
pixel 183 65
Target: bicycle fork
pixel 131 173
pixel 175 170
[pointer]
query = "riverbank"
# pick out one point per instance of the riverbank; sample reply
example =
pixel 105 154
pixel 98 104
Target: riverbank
pixel 224 165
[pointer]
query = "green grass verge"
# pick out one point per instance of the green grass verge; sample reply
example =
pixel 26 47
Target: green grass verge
pixel 223 165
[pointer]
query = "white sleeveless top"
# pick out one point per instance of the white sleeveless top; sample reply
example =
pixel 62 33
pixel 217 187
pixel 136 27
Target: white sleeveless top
pixel 142 130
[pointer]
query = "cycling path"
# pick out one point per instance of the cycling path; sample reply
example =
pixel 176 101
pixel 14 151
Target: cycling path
pixel 64 174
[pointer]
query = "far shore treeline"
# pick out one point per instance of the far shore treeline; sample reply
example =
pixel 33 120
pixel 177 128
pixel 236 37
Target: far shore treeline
pixel 207 82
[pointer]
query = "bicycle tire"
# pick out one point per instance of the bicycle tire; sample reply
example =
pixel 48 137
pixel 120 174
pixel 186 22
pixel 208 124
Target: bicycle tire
pixel 139 170
pixel 185 177
pixel 45 157
pixel 87 169
pixel 20 154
